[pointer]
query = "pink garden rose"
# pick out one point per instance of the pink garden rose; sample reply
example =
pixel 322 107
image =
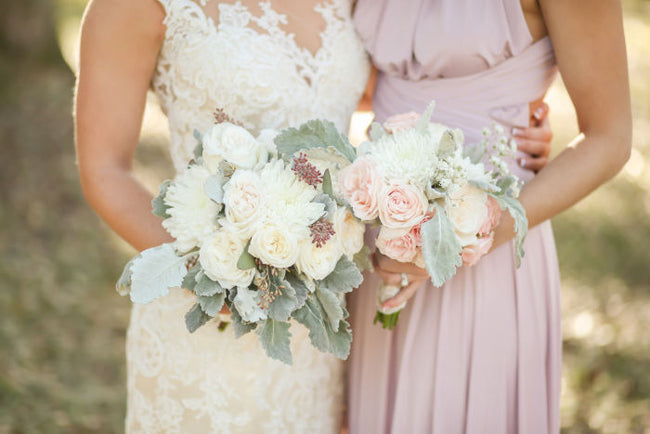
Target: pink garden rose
pixel 473 252
pixel 402 206
pixel 395 246
pixel 401 122
pixel 361 184
pixel 493 217
pixel 416 232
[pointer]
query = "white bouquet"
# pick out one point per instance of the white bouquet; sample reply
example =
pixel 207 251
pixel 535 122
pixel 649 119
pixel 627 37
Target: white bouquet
pixel 259 229
pixel 435 201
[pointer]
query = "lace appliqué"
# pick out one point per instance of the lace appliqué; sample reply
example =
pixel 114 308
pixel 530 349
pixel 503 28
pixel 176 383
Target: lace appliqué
pixel 261 77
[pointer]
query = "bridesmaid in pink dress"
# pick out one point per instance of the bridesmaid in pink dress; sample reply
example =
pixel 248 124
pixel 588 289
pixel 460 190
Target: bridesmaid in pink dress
pixel 482 354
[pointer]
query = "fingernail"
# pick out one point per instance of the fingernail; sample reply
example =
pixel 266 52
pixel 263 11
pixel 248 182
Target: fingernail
pixel 538 113
pixel 517 131
pixel 522 162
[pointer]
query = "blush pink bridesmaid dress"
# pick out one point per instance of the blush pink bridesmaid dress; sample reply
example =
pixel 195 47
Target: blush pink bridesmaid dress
pixel 482 354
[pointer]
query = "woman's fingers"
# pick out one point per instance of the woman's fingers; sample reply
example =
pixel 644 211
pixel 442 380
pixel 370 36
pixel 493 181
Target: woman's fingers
pixel 537 148
pixel 539 112
pixel 541 133
pixel 384 263
pixel 532 163
pixel 403 295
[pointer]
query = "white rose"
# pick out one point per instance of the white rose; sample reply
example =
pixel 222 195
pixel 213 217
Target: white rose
pixel 467 209
pixel 247 303
pixel 318 262
pixel 267 139
pixel 193 215
pixel 235 144
pixel 349 231
pixel 244 202
pixel 219 255
pixel 274 246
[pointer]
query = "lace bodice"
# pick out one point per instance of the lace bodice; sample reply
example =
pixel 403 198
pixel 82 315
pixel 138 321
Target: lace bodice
pixel 254 70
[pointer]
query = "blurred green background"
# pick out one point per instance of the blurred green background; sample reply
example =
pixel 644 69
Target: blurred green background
pixel 62 326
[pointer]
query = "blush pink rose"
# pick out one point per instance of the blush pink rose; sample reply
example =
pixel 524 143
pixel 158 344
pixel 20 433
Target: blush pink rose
pixel 401 122
pixel 402 206
pixel 401 247
pixel 493 216
pixel 361 184
pixel 473 252
pixel 416 232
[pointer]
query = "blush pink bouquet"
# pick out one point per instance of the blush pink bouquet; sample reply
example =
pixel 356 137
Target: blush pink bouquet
pixel 436 202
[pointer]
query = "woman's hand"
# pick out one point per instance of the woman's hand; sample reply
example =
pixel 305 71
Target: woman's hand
pixel 536 139
pixel 390 271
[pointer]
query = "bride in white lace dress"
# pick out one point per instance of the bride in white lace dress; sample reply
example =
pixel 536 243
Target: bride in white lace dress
pixel 269 64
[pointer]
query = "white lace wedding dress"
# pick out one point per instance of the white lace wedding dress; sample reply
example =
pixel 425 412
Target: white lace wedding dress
pixel 241 58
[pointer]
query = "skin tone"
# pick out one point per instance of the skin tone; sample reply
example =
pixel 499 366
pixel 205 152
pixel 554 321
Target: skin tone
pixel 120 41
pixel 590 51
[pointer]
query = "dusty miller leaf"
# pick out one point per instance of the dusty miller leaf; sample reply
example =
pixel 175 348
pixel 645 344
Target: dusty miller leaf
pixel 362 259
pixel 345 277
pixel 123 285
pixel 286 302
pixel 423 122
pixel 331 304
pixel 275 337
pixel 376 131
pixel 207 287
pixel 513 206
pixel 213 188
pixel 483 185
pixel 240 327
pixel 155 271
pixel 314 134
pixel 190 279
pixel 321 333
pixel 159 207
pixel 327 183
pixel 300 289
pixel 440 247
pixel 195 318
pixel 211 305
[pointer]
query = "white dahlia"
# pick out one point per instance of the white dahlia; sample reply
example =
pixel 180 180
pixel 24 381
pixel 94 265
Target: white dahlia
pixel 287 199
pixel 193 215
pixel 407 155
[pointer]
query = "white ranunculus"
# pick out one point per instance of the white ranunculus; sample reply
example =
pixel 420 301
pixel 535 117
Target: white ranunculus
pixel 467 209
pixel 193 213
pixel 247 303
pixel 218 257
pixel 318 262
pixel 235 144
pixel 274 245
pixel 244 202
pixel 349 231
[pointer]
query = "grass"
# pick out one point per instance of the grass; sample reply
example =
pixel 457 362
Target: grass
pixel 62 326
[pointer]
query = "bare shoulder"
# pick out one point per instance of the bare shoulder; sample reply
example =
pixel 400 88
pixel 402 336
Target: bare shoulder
pixel 126 19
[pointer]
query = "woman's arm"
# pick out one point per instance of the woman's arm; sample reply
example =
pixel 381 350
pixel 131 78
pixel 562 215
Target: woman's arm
pixel 120 40
pixel 590 49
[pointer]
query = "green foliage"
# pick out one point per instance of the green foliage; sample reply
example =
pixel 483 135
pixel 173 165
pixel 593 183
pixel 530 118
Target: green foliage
pixel 214 188
pixel 323 336
pixel 440 247
pixel 332 306
pixel 284 302
pixel 154 271
pixel 345 277
pixel 211 305
pixel 513 206
pixel 240 327
pixel 362 259
pixel 195 318
pixel 159 207
pixel 376 131
pixel 207 287
pixel 246 260
pixel 299 287
pixel 327 183
pixel 275 337
pixel 314 134
pixel 423 122
pixel 123 285
pixel 190 279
